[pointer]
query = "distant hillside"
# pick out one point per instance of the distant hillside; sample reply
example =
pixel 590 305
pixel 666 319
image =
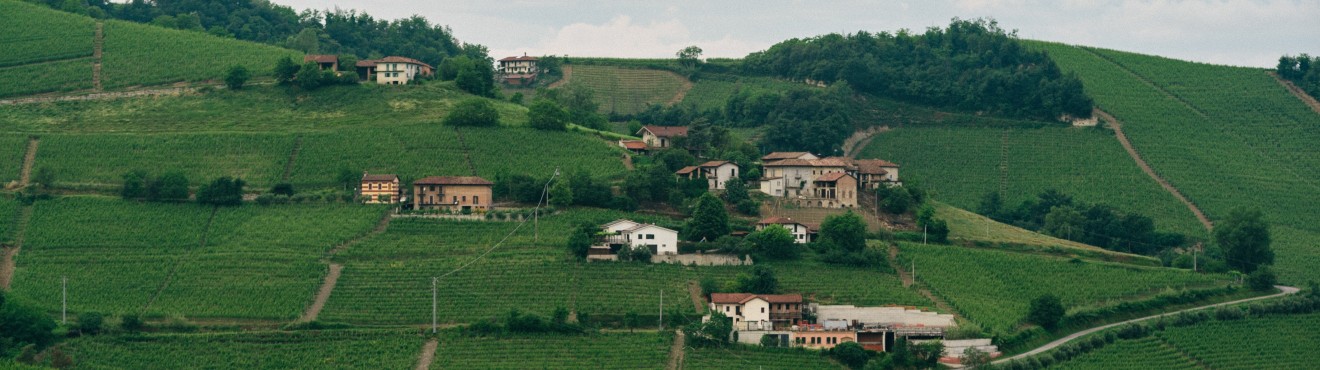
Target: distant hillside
pixel 57 52
pixel 624 91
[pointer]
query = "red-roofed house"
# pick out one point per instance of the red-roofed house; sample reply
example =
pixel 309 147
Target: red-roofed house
pixel 635 146
pixel 833 190
pixel 802 233
pixel 457 193
pixel 871 173
pixel 518 70
pixel 381 188
pixel 775 156
pixel 366 69
pixel 758 311
pixel 326 62
pixel 716 173
pixel 794 177
pixel 395 70
pixel 661 136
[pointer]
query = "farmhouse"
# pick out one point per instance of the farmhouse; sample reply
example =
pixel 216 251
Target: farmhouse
pixel 797 176
pixel 366 69
pixel 395 70
pixel 832 190
pixel 716 173
pixel 777 156
pixel 326 62
pixel 802 233
pixel 634 146
pixel 518 70
pixel 871 173
pixel 758 312
pixel 379 188
pixel 661 136
pixel 460 194
pixel 627 233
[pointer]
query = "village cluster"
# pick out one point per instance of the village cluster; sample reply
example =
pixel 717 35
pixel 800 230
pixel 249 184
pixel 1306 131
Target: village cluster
pixel 397 70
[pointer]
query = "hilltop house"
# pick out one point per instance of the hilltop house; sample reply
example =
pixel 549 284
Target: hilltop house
pixel 623 232
pixel 395 70
pixel 832 190
pixel 518 70
pixel 661 136
pixel 802 233
pixel 326 62
pixel 716 173
pixel 758 312
pixel 381 188
pixel 459 194
pixel 794 177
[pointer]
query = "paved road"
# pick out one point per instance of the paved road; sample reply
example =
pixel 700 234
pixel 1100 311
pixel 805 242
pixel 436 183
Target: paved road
pixel 1285 290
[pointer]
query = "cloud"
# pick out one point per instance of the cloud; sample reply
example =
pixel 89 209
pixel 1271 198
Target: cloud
pixel 621 37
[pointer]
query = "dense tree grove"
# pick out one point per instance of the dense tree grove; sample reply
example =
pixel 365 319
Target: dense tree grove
pixel 311 31
pixel 1245 239
pixel 799 119
pixel 1303 70
pixel 1057 214
pixel 973 65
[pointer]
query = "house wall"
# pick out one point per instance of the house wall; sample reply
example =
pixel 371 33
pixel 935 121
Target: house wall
pixel 518 66
pixel 801 234
pixel 722 174
pixel 372 190
pixel 756 310
pixel 891 174
pixel 617 227
pixel 478 197
pixel 773 187
pixel 822 339
pixel 847 192
pixel 654 141
pixel 396 73
pixel 798 180
pixel 665 241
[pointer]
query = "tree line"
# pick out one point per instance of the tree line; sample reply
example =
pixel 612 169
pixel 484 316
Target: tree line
pixel 1303 70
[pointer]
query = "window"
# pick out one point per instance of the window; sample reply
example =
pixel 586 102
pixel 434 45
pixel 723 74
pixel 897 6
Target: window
pixel 464 199
pixel 762 309
pixel 476 199
pixel 455 199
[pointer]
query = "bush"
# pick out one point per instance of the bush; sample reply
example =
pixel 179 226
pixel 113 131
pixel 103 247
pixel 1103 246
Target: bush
pixel 237 76
pixel 473 112
pixel 1046 311
pixel 131 323
pixel 545 114
pixel 1263 279
pixel 851 354
pixel 224 191
pixel 749 207
pixel 89 323
pixel 283 188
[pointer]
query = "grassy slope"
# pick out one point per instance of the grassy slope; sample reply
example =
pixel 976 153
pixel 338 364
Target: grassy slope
pixel 54 59
pixel 627 90
pixel 970 227
pixel 1227 137
pixel 258 350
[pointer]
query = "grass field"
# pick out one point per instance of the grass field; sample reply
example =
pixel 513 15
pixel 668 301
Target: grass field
pixel 627 90
pixel 1088 164
pixel 970 227
pixel 1187 117
pixel 756 358
pixel 258 262
pixel 342 349
pixel 994 288
pixel 595 351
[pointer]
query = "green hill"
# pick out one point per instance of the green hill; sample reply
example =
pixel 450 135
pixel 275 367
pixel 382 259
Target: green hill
pixel 60 57
pixel 628 90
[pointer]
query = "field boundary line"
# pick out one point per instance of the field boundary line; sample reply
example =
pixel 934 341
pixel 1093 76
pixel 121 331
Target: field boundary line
pixel 174 270
pixel 911 281
pixel 334 270
pixel 1297 91
pixel 698 301
pixel 1186 355
pixel 852 147
pixel 567 72
pixel 293 156
pixel 98 43
pixel 676 351
pixel 467 155
pixel 428 354
pixel 684 87
pixel 48 61
pixel 8 266
pixel 1145 167
pixel 29 160
pixel 1285 290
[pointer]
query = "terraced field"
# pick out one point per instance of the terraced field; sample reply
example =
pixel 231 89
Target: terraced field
pixel 961 164
pixel 595 351
pixel 628 90
pixel 62 36
pixel 1188 118
pixel 1138 354
pixel 758 358
pixel 1280 342
pixel 256 158
pixel 137 54
pixel 340 349
pixel 994 288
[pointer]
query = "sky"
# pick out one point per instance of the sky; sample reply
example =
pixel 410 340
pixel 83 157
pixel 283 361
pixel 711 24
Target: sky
pixel 1231 32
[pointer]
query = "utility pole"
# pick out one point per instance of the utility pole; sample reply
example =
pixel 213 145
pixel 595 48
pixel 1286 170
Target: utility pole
pixel 1195 249
pixel 64 300
pixel 433 304
pixel 662 309
pixel 923 235
pixel 914 271
pixel 536 214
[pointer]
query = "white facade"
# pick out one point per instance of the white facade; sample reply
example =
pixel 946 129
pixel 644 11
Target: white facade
pixel 801 234
pixel 619 225
pixel 797 180
pixel 396 73
pixel 660 240
pixel 751 315
pixel 773 186
pixel 721 174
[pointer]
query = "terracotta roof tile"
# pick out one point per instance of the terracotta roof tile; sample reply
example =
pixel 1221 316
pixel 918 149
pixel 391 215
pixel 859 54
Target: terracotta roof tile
pixel 784 155
pixel 686 170
pixel 713 164
pixel 832 176
pixel 665 131
pixel 321 58
pixel 379 177
pixel 452 180
pixel 511 59
pixel 740 298
pixel 397 59
pixel 633 144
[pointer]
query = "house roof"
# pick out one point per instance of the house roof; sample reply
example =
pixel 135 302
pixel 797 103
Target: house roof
pixel 524 57
pixel 714 164
pixel 826 162
pixel 873 166
pixel 379 177
pixel 319 58
pixel 784 155
pixel 643 226
pixel 452 180
pixel 633 144
pixel 366 63
pixel 832 176
pixel 686 170
pixel 778 220
pixel 665 131
pixel 398 59
pixel 618 221
pixel 831 162
pixel 740 298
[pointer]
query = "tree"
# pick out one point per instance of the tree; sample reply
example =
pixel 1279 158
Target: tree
pixel 735 191
pixel 1262 279
pixel 545 114
pixel 561 195
pixel 896 199
pixel 579 244
pixel 709 220
pixel 286 70
pixel 1245 239
pixel 1065 222
pixel 131 323
pixel 44 177
pixel 689 56
pixel 348 179
pixel 236 77
pixel 473 112
pixel 223 191
pixel 282 188
pixel 309 76
pixel 22 325
pixel 769 340
pixel 773 242
pixel 308 41
pixel 171 186
pixel 135 185
pixel 1046 311
pixel 762 280
pixel 846 232
pixel 991 204
pixel 712 333
pixel 89 323
pixel 974 358
pixel 850 354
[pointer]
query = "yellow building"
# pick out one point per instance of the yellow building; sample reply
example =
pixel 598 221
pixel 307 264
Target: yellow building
pixel 379 188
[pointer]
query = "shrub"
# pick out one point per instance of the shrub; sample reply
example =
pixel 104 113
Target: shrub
pixel 473 112
pixel 1046 311
pixel 1262 279
pixel 89 323
pixel 236 77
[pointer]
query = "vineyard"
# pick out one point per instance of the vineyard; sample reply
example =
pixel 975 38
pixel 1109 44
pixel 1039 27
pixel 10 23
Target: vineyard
pixel 1088 164
pixel 1136 354
pixel 967 226
pixel 62 36
pixel 12 148
pixel 758 358
pixel 1186 118
pixel 258 262
pixel 256 158
pixel 339 349
pixel 628 90
pixel 593 351
pixel 137 54
pixel 712 93
pixel 994 288
pixel 1280 342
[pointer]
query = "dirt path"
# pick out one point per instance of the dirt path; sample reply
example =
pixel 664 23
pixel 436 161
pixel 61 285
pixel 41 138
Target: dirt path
pixel 908 280
pixel 568 75
pixel 381 226
pixel 96 55
pixel 698 300
pixel 1051 345
pixel 293 157
pixel 682 91
pixel 860 139
pixel 627 162
pixel 467 156
pixel 676 351
pixel 1132 151
pixel 1297 91
pixel 9 265
pixel 103 95
pixel 428 354
pixel 323 294
pixel 29 160
pixel 174 270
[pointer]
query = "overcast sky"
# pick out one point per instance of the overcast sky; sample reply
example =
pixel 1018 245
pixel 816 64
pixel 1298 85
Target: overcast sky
pixel 1234 32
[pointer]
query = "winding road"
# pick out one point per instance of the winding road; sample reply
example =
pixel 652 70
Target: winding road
pixel 1284 290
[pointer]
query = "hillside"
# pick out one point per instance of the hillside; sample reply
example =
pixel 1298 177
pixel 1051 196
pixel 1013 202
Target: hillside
pixel 623 90
pixel 64 56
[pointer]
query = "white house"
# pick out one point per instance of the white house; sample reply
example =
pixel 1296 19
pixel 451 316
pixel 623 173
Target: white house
pixel 758 311
pixel 716 173
pixel 795 177
pixel 661 136
pixel 658 239
pixel 802 233
pixel 400 70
